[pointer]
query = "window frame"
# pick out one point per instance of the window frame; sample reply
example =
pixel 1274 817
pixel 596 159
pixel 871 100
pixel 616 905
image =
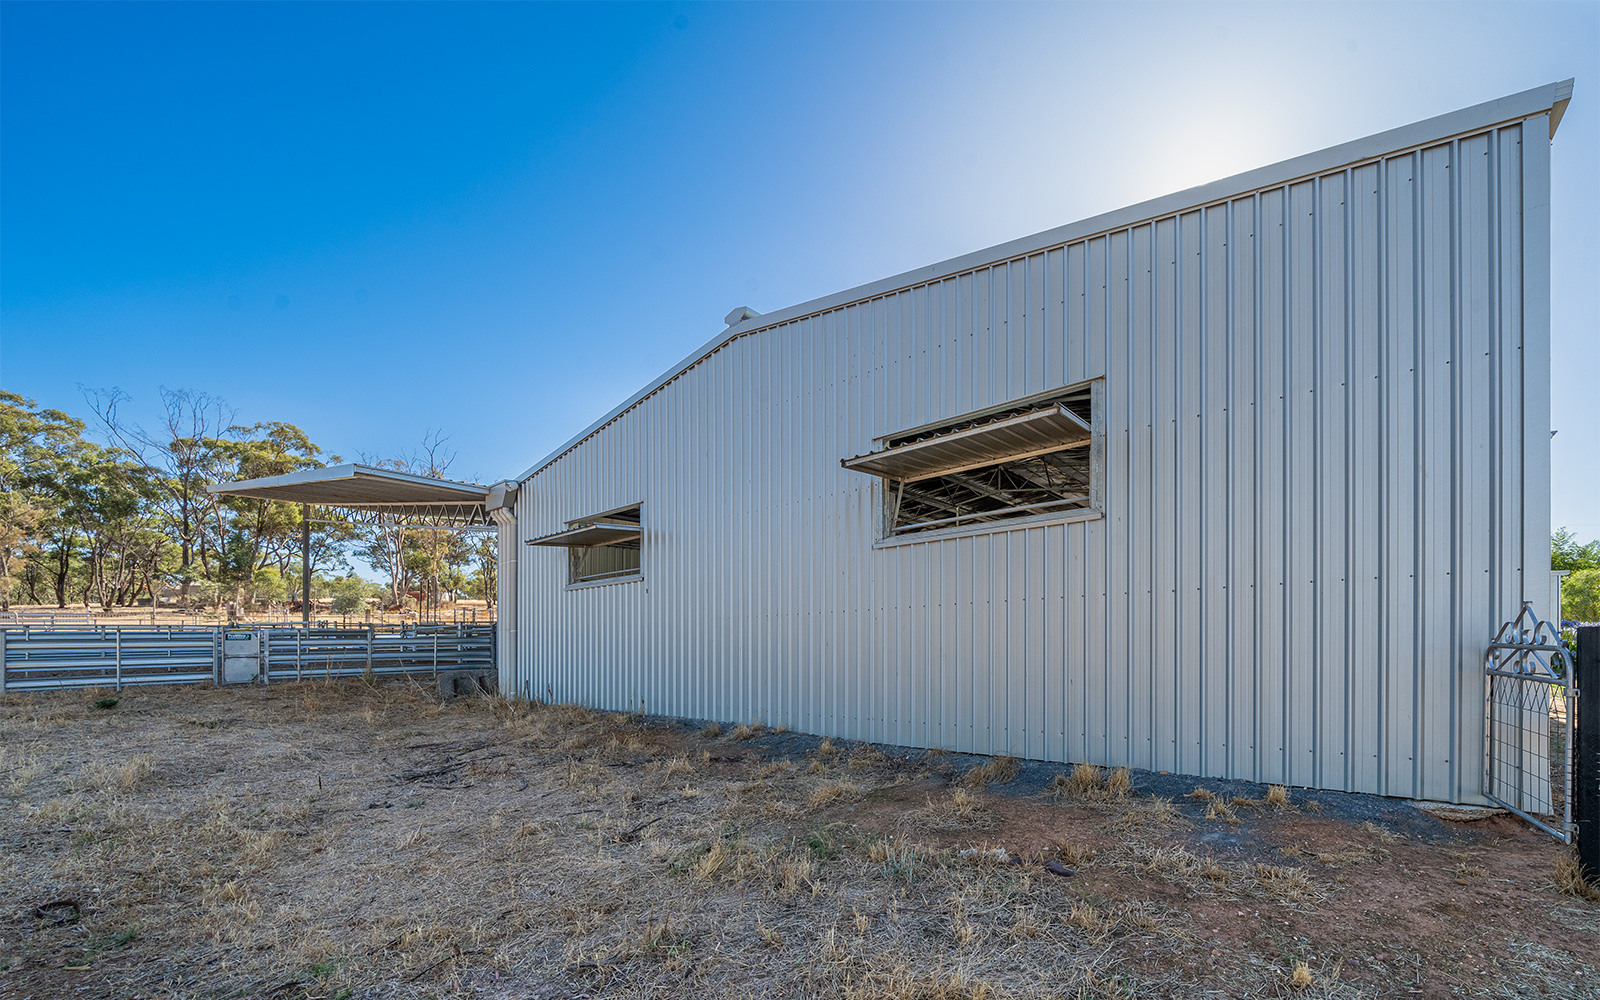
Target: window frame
pixel 574 551
pixel 1094 509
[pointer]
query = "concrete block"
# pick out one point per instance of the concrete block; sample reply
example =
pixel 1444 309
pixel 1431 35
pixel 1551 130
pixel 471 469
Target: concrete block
pixel 455 683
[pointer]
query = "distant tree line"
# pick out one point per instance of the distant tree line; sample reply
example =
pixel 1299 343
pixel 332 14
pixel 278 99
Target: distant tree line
pixel 120 515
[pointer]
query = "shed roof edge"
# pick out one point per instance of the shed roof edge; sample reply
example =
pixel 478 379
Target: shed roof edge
pixel 1551 97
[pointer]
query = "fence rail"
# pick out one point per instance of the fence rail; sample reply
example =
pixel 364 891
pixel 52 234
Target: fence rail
pixel 33 658
pixel 198 618
pixel 294 654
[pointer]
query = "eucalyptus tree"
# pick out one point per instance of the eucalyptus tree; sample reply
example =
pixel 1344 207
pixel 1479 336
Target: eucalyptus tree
pixel 182 454
pixel 34 446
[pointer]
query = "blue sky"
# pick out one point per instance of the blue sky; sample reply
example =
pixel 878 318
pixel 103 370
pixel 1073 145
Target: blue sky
pixel 501 220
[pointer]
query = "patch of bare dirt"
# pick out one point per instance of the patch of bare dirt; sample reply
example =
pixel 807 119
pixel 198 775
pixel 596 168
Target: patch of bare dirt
pixel 349 840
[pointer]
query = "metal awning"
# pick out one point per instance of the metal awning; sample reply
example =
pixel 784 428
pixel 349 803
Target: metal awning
pixel 382 496
pixel 598 533
pixel 395 496
pixel 1037 432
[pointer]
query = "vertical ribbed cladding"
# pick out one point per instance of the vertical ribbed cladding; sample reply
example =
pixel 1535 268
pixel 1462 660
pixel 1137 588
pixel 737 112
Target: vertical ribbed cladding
pixel 1321 494
pixel 509 677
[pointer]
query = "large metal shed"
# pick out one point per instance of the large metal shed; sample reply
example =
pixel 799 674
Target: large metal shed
pixel 1237 482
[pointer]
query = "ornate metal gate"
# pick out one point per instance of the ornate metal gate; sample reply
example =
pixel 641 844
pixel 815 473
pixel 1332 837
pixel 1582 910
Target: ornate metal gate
pixel 1528 724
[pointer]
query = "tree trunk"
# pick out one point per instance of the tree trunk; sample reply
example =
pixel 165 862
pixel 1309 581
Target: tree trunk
pixel 100 584
pixel 63 566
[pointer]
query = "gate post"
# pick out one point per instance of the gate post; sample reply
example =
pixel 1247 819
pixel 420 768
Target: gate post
pixel 1586 752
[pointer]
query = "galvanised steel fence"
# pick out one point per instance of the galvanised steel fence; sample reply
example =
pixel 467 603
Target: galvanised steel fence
pixel 33 659
pixel 296 653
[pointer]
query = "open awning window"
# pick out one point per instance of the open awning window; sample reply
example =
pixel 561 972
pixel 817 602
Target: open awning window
pixel 601 548
pixel 1036 432
pixel 1022 461
pixel 598 533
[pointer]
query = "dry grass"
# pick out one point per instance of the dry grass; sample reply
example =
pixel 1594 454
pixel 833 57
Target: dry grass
pixel 745 731
pixel 1149 815
pixel 1383 834
pixel 330 840
pixel 1569 880
pixel 1073 854
pixel 960 810
pixel 866 758
pixel 1088 782
pixel 1300 976
pixel 118 776
pixel 1344 854
pixel 996 771
pixel 1222 812
pixel 830 792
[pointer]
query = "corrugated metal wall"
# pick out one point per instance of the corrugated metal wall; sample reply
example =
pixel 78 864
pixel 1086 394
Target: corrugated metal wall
pixel 1316 452
pixel 505 597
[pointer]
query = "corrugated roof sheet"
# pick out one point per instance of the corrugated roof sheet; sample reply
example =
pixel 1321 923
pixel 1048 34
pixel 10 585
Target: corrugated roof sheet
pixel 361 487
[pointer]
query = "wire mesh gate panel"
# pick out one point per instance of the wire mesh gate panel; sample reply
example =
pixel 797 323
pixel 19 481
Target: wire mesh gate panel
pixel 1528 725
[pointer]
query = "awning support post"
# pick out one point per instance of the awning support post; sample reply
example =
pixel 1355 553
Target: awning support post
pixel 305 564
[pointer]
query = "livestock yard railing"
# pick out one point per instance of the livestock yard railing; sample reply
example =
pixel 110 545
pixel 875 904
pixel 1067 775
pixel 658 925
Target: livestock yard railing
pixel 295 653
pixel 201 618
pixel 48 658
pixel 87 619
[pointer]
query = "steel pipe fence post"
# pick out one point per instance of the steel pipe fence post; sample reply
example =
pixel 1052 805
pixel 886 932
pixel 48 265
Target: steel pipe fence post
pixel 1586 751
pixel 299 658
pixel 2 661
pixel 117 638
pixel 370 637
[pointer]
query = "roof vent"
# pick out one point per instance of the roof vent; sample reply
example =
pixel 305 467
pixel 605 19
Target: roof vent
pixel 739 315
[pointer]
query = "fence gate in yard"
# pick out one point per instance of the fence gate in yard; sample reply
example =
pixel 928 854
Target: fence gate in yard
pixel 1530 698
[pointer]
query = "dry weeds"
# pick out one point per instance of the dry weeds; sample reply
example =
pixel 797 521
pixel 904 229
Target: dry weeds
pixel 997 770
pixel 1086 782
pixel 1569 879
pixel 830 792
pixel 960 810
pixel 359 840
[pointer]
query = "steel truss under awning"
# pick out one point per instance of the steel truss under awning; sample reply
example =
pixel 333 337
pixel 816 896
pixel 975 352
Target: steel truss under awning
pixel 375 497
pixel 1037 432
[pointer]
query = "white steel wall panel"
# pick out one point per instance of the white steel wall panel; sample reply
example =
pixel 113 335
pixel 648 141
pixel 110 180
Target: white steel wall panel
pixel 1325 483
